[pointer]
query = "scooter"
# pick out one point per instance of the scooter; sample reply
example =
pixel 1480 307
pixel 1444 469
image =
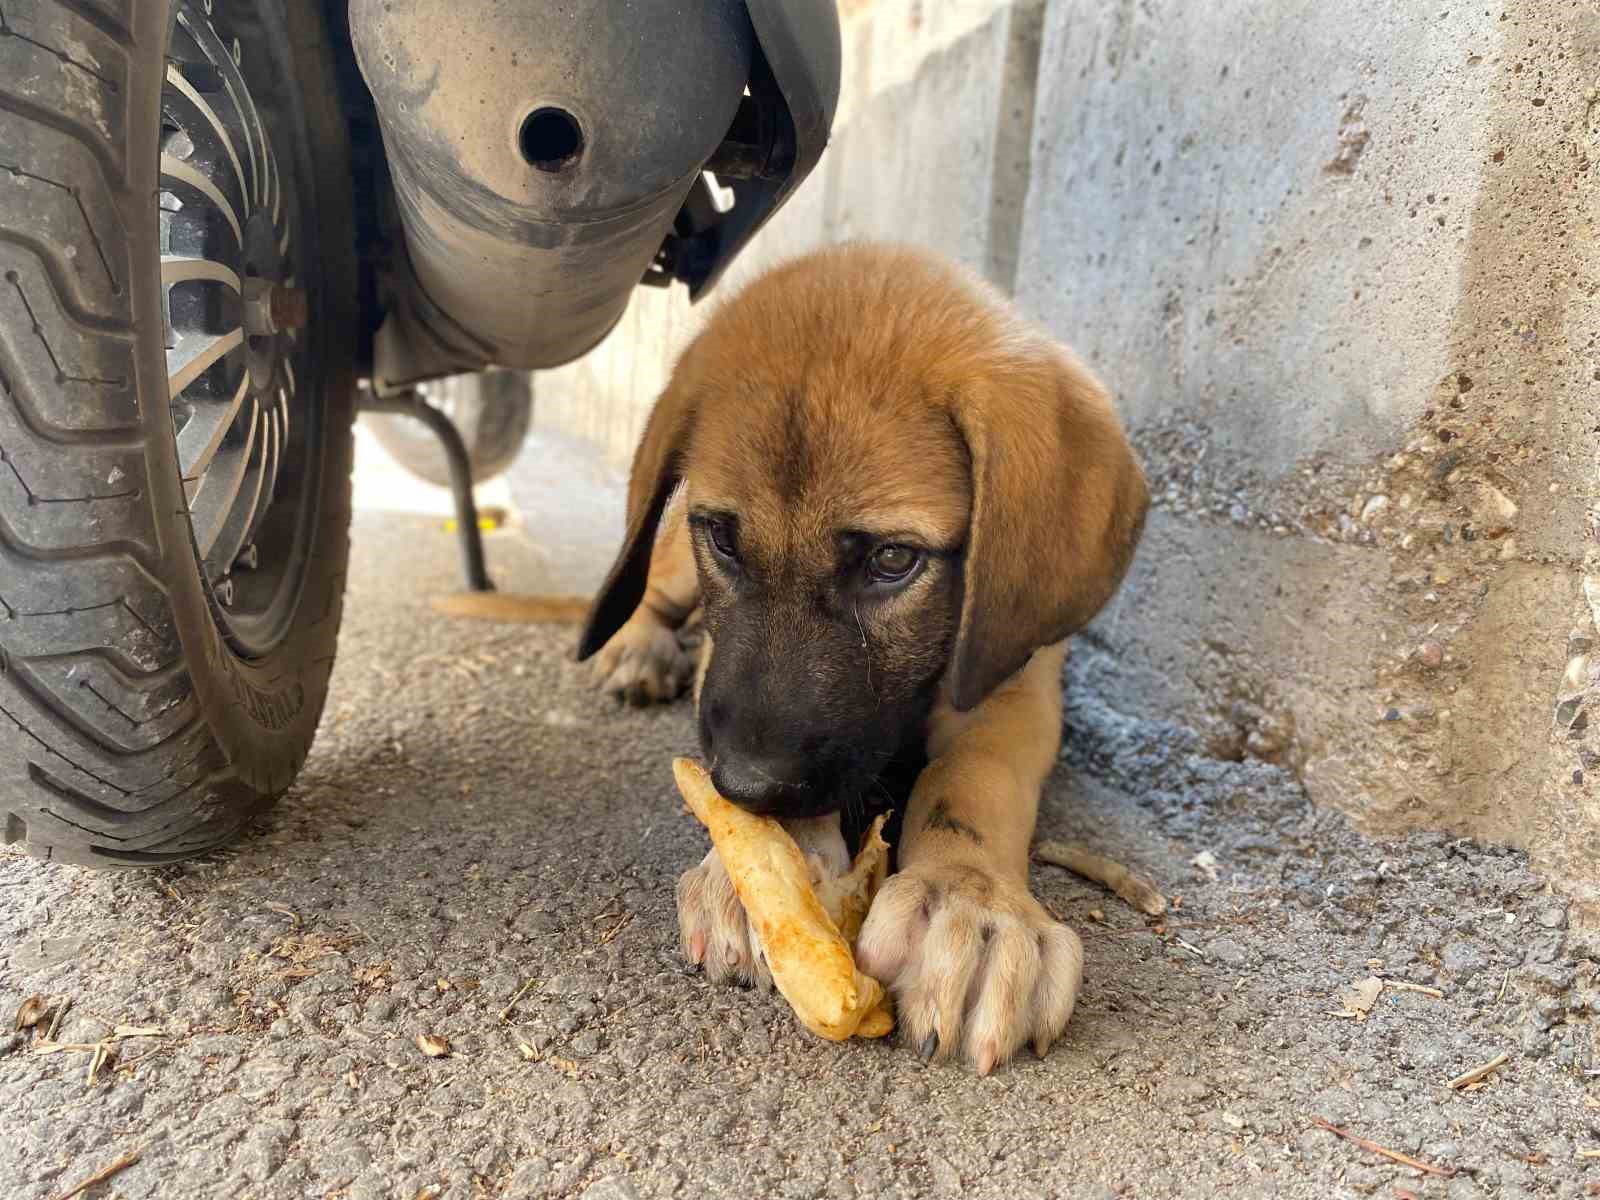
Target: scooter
pixel 226 225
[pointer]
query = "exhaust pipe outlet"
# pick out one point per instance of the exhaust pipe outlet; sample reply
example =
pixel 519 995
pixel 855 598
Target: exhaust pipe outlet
pixel 540 154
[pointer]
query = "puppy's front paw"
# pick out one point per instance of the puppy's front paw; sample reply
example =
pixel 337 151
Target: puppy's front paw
pixel 976 964
pixel 643 663
pixel 713 930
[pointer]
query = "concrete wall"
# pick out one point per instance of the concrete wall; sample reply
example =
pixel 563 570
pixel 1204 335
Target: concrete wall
pixel 1340 263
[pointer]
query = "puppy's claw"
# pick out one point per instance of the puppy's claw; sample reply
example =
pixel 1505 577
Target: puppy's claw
pixel 987 1057
pixel 930 1047
pixel 714 933
pixel 974 959
pixel 643 663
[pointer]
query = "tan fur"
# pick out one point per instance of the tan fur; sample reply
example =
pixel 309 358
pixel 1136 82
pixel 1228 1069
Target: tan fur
pixel 880 389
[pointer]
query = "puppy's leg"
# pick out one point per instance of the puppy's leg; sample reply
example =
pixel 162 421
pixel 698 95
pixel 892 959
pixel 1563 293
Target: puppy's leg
pixel 712 926
pixel 645 661
pixel 977 965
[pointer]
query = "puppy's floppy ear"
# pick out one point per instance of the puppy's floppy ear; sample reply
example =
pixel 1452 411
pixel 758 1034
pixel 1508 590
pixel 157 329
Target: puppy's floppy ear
pixel 1058 504
pixel 657 470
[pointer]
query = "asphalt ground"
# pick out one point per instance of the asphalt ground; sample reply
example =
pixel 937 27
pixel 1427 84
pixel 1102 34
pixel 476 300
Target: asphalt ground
pixel 482 850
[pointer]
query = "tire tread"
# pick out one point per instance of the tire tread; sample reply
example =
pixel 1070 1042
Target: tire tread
pixel 113 761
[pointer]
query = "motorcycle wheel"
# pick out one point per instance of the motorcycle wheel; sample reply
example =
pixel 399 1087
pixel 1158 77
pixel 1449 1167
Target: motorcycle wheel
pixel 174 454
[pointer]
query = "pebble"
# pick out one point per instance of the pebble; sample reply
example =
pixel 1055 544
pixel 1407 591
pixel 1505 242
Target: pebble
pixel 1546 948
pixel 568 984
pixel 611 1189
pixel 1463 960
pixel 1430 655
pixel 1182 1088
pixel 1555 978
pixel 1554 916
pixel 529 1178
pixel 1227 951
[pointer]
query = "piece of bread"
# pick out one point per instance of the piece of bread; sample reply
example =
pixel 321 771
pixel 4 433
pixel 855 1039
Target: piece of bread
pixel 807 953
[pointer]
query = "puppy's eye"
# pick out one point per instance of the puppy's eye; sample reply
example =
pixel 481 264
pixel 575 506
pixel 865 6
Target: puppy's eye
pixel 891 564
pixel 723 537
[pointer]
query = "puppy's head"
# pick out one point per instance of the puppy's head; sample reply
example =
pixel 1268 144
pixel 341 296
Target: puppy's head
pixel 897 491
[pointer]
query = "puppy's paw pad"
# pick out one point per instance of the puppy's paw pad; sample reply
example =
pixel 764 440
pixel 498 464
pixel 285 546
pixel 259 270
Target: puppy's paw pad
pixel 714 932
pixel 644 662
pixel 976 964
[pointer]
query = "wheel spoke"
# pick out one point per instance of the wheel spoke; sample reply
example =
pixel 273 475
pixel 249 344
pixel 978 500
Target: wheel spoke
pixel 277 186
pixel 280 423
pixel 233 82
pixel 179 269
pixel 207 426
pixel 186 89
pixel 194 353
pixel 251 496
pixel 219 488
pixel 181 172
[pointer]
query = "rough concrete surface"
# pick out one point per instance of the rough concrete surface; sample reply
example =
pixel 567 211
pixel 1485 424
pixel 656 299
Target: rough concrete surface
pixel 1339 262
pixel 483 850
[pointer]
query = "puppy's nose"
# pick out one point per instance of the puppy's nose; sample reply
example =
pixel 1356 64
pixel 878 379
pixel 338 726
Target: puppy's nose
pixel 767 784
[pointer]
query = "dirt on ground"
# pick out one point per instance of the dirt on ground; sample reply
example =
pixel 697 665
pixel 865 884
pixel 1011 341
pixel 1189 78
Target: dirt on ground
pixel 481 854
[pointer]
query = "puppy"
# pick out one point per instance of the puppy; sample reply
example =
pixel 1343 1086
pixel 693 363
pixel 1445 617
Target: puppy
pixel 893 501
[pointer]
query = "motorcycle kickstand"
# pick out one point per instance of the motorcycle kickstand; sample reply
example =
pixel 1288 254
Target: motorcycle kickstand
pixel 411 404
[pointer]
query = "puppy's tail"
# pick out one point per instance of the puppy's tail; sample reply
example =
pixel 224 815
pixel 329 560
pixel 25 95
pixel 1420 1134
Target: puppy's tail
pixel 512 609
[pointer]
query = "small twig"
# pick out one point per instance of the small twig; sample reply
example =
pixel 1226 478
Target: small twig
pixel 1504 983
pixel 49 1047
pixel 1077 858
pixel 610 934
pixel 130 1063
pixel 1589 1153
pixel 1194 950
pixel 103 1053
pixel 55 1021
pixel 1478 1072
pixel 1400 985
pixel 521 992
pixel 1393 1155
pixel 103 1174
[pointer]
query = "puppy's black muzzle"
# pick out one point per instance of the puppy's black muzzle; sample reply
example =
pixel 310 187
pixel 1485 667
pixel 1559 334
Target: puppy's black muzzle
pixel 768 766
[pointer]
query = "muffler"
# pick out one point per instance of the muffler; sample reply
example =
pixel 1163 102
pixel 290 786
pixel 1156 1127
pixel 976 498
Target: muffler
pixel 540 153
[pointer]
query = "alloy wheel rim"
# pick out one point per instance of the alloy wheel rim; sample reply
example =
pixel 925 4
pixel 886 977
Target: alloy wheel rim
pixel 235 347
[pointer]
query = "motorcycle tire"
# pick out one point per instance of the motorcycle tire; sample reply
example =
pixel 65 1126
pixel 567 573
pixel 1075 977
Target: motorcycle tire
pixel 175 443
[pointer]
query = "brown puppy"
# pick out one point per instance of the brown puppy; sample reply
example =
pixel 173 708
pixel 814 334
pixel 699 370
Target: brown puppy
pixel 897 501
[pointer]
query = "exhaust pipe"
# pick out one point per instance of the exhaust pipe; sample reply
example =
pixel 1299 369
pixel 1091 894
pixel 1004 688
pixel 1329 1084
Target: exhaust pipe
pixel 540 154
